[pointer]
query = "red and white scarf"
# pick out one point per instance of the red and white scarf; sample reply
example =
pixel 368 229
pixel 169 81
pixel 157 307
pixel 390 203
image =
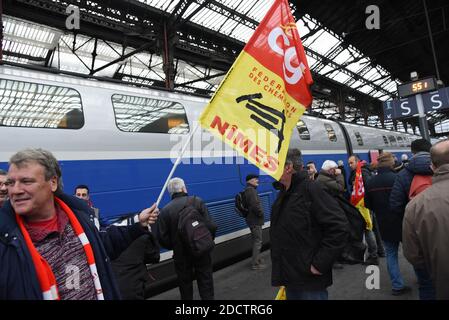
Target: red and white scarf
pixel 46 278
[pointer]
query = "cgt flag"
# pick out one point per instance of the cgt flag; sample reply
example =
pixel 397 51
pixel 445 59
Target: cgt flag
pixel 264 94
pixel 358 196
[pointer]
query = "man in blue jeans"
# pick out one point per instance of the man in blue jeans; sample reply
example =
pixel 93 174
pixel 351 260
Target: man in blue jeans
pixel 419 164
pixel 377 198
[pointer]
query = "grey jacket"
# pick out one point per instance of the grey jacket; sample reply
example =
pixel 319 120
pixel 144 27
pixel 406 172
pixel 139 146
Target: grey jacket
pixel 425 231
pixel 333 184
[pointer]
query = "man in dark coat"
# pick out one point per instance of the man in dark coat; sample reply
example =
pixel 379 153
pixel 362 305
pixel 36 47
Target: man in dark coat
pixel 254 219
pixel 186 265
pixel 49 246
pixel 377 197
pixel 308 233
pixel 419 164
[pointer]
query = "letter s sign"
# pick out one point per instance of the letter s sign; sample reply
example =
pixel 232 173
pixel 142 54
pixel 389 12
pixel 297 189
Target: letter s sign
pixel 405 108
pixel 289 55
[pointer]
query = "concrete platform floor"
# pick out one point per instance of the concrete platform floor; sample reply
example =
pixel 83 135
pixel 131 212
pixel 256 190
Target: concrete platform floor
pixel 239 282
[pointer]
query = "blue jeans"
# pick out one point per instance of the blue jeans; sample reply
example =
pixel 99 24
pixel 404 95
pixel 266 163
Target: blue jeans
pixel 300 294
pixel 391 251
pixel 426 289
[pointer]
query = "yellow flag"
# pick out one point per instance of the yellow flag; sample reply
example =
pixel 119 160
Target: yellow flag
pixel 265 92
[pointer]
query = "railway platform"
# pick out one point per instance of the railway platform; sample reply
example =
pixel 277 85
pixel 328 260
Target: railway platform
pixel 239 282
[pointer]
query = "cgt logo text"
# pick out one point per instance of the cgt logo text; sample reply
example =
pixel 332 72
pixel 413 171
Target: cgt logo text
pixel 289 54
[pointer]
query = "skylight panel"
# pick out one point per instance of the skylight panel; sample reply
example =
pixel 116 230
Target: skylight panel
pixel 342 57
pixel 340 77
pixel 366 89
pixel 321 42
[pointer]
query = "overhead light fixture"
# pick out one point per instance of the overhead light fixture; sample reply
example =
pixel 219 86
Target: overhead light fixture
pixel 414 75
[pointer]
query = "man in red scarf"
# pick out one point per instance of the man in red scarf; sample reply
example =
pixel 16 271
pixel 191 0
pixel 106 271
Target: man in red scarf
pixel 49 246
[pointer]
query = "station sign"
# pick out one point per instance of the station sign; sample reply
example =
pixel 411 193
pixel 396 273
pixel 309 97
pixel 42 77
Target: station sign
pixel 437 100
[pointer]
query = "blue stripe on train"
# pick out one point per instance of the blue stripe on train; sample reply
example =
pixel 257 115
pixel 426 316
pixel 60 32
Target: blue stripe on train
pixel 122 187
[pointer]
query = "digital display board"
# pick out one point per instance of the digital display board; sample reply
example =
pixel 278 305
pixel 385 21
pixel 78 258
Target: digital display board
pixel 416 87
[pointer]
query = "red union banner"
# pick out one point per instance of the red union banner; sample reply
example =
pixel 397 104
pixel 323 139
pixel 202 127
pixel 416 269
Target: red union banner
pixel 358 196
pixel 264 94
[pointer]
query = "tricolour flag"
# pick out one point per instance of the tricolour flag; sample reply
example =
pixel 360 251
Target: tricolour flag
pixel 264 94
pixel 358 196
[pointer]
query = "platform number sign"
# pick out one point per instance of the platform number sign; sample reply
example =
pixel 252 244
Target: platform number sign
pixel 436 100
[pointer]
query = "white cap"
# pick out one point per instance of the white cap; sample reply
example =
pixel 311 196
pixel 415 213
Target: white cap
pixel 329 164
pixel 404 157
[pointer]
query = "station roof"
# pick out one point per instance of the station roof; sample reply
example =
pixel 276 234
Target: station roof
pixel 209 34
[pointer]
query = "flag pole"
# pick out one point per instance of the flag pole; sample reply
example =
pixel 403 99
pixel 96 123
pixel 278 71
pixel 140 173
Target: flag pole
pixel 178 160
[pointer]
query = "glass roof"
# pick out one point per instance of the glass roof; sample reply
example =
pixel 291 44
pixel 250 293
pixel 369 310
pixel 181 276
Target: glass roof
pixel 31 43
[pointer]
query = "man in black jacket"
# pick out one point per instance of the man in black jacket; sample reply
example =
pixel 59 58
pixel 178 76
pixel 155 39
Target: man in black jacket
pixel 185 263
pixel 308 233
pixel 254 219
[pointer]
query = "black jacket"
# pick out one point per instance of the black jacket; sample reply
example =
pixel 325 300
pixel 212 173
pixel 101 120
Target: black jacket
pixel 255 215
pixel 418 164
pixel 18 279
pixel 308 228
pixel 131 270
pixel 167 225
pixel 377 198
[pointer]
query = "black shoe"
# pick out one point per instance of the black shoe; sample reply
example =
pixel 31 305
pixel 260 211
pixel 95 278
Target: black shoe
pixel 399 292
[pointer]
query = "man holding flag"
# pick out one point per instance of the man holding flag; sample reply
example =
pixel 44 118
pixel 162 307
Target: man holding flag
pixel 255 110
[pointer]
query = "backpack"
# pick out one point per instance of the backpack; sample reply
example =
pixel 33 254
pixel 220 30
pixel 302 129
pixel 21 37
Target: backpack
pixel 240 204
pixel 419 184
pixel 193 230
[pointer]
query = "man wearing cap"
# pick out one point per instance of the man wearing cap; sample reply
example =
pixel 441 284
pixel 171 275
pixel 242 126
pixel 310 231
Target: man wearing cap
pixel 254 219
pixel 331 178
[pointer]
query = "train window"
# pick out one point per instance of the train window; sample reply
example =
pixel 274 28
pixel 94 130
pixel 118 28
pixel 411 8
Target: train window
pixel 304 133
pixel 385 140
pixel 359 138
pixel 330 132
pixel 36 105
pixel 400 141
pixel 392 140
pixel 139 114
pixel 408 142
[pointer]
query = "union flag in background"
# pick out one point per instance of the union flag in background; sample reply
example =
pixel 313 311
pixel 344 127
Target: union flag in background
pixel 264 94
pixel 358 196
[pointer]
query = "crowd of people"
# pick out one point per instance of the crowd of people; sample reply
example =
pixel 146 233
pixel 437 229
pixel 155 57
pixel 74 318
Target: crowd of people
pixel 52 246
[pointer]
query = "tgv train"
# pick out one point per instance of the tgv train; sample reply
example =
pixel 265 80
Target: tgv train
pixel 122 141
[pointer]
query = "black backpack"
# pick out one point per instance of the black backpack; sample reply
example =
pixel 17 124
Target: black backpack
pixel 194 231
pixel 240 204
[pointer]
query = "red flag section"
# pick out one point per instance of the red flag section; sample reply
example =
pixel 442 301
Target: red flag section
pixel 277 46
